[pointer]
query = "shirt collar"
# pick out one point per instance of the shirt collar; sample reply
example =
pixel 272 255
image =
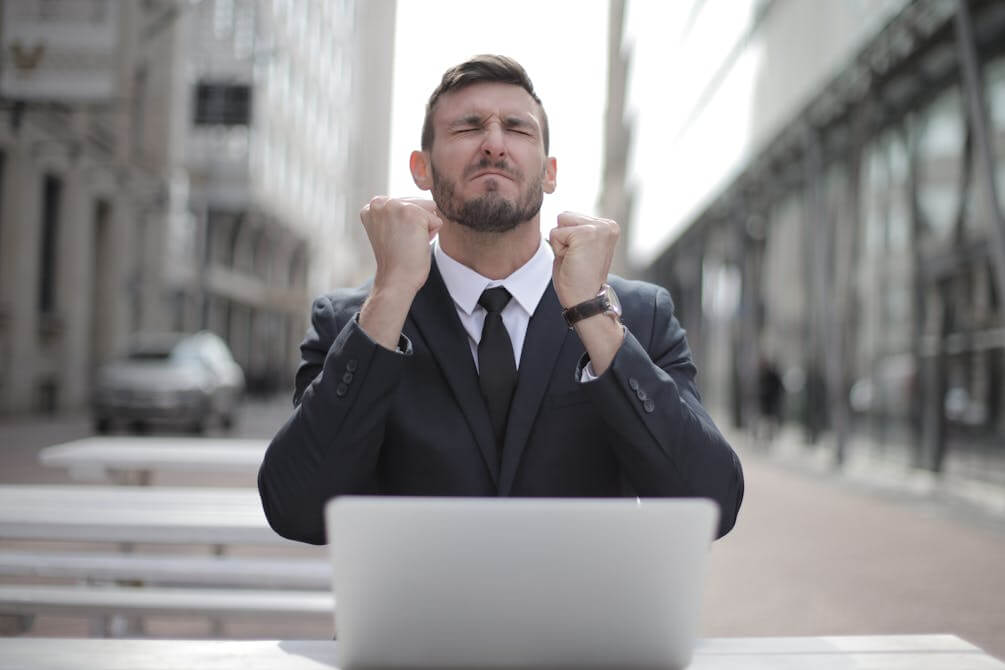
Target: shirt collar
pixel 527 284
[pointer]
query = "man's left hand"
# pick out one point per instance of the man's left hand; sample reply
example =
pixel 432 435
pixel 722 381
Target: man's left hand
pixel 584 248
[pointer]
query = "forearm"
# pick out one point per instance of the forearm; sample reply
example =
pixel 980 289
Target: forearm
pixel 665 442
pixel 383 315
pixel 331 443
pixel 602 337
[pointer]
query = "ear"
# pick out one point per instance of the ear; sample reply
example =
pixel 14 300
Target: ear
pixel 550 171
pixel 421 170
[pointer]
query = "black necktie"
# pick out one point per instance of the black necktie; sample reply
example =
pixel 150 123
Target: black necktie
pixel 496 369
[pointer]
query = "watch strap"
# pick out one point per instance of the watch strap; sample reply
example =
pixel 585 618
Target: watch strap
pixel 586 309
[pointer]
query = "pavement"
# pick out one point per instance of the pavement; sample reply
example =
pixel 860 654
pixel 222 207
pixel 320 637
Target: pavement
pixel 864 550
pixel 872 548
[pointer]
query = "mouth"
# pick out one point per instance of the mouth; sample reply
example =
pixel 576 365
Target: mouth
pixel 491 173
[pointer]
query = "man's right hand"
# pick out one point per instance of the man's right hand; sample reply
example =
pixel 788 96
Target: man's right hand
pixel 399 230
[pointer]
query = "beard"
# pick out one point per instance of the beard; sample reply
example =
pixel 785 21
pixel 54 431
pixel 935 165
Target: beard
pixel 489 212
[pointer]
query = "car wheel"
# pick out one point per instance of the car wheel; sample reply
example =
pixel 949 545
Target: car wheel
pixel 103 425
pixel 228 421
pixel 199 426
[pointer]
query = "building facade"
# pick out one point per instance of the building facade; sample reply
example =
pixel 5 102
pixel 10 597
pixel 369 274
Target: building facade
pixel 180 166
pixel 835 178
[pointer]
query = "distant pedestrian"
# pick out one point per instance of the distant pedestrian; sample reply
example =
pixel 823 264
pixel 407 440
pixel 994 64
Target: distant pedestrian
pixel 770 398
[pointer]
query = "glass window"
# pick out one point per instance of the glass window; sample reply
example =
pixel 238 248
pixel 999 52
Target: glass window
pixel 884 310
pixel 898 224
pixel 994 90
pixel 222 104
pixel 941 134
pixel 783 279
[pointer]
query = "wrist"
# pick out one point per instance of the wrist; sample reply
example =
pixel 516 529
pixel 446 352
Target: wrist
pixel 393 294
pixel 573 297
pixel 602 337
pixel 383 315
pixel 603 302
pixel 392 285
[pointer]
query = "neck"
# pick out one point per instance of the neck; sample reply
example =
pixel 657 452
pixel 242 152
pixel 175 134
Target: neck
pixel 492 255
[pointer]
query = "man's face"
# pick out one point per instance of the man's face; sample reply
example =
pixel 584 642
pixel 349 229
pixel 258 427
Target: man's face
pixel 487 162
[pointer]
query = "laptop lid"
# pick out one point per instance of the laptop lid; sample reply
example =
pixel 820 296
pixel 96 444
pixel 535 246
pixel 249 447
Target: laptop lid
pixel 510 583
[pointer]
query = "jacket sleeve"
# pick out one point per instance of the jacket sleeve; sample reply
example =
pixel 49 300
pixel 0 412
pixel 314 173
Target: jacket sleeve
pixel 331 443
pixel 666 442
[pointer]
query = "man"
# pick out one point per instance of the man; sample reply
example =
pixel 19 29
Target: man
pixel 433 380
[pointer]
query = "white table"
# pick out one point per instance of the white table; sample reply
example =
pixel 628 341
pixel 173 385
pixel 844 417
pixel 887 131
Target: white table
pixel 132 460
pixel 888 652
pixel 135 514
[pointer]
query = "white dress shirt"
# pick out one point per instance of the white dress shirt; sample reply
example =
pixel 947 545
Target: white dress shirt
pixel 527 284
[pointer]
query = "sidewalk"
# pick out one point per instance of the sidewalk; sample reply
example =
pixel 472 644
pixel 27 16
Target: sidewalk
pixel 887 470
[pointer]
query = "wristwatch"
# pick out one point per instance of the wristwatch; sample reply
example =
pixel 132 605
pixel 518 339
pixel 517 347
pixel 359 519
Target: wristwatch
pixel 605 302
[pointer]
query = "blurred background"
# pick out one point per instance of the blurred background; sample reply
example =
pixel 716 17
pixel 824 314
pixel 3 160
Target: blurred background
pixel 819 183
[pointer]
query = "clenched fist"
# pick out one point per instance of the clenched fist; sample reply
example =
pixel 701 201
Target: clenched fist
pixel 400 230
pixel 584 248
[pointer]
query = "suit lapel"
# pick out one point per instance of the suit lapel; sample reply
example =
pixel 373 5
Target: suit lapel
pixel 546 333
pixel 435 316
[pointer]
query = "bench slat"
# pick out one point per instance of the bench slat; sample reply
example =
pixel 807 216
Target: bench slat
pixel 152 601
pixel 202 570
pixel 185 515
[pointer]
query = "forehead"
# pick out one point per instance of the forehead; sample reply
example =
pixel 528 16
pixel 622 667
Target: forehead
pixel 486 99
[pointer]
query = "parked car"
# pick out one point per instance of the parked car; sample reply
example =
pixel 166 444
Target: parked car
pixel 182 379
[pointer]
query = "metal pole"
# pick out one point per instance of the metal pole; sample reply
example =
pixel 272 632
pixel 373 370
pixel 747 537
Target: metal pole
pixel 981 135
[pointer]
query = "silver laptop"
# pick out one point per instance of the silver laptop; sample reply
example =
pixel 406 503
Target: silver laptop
pixel 517 583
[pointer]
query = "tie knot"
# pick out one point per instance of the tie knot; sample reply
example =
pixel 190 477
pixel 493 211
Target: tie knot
pixel 494 299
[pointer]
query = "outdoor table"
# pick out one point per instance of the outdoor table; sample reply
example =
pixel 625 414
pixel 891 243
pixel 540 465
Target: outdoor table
pixel 133 460
pixel 886 652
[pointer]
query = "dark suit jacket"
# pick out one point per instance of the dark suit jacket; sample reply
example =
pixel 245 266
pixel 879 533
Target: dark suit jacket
pixel 369 420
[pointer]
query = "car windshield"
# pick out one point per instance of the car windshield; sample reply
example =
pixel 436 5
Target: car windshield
pixel 148 355
pixel 162 348
pixel 187 351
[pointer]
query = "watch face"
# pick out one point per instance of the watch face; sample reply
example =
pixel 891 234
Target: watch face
pixel 612 299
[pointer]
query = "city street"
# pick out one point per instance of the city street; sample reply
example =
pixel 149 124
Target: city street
pixel 812 554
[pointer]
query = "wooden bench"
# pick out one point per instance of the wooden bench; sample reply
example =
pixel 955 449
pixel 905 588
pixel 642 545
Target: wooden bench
pixel 131 460
pixel 98 603
pixel 137 514
pixel 262 573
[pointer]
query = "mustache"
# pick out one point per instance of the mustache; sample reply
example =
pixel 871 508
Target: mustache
pixel 486 164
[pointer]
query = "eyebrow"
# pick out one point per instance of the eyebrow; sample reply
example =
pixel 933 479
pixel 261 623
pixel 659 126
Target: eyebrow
pixel 474 119
pixel 467 120
pixel 518 122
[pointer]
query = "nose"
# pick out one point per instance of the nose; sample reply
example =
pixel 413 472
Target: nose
pixel 494 144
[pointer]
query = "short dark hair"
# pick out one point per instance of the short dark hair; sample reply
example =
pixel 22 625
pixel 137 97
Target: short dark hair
pixel 481 68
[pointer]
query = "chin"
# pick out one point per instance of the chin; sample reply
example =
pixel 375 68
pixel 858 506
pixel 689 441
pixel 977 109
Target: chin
pixel 496 189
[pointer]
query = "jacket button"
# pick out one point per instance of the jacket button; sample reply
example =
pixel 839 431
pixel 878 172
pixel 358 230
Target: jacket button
pixel 642 395
pixel 633 383
pixel 351 365
pixel 341 390
pixel 347 378
pixel 649 406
